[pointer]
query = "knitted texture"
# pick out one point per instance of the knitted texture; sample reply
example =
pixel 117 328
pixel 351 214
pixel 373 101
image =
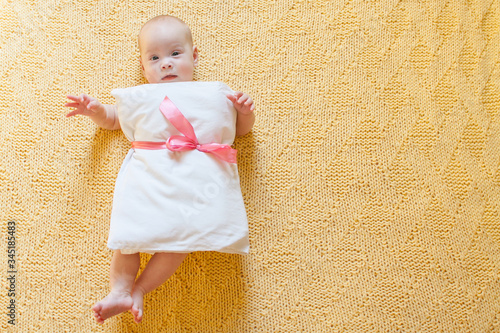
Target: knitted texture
pixel 371 177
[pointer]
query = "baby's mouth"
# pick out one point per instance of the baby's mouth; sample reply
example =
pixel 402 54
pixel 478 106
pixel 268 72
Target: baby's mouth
pixel 169 77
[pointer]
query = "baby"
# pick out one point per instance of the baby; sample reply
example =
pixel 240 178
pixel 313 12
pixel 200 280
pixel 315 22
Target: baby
pixel 167 54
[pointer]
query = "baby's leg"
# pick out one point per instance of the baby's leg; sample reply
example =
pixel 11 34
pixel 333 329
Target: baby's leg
pixel 159 268
pixel 123 271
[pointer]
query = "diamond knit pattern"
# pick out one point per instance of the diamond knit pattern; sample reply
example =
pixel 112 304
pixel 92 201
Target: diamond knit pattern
pixel 371 178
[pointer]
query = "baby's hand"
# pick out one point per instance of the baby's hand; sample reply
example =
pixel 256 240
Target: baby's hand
pixel 84 104
pixel 242 102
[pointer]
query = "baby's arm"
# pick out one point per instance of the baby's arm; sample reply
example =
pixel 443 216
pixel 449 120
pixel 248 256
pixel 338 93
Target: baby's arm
pixel 245 116
pixel 104 115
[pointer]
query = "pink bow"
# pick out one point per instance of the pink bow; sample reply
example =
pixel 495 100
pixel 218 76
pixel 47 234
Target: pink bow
pixel 187 142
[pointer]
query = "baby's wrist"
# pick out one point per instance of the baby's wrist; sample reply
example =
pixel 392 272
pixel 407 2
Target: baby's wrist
pixel 246 113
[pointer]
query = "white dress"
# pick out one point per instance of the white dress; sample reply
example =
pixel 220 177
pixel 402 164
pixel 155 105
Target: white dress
pixel 177 201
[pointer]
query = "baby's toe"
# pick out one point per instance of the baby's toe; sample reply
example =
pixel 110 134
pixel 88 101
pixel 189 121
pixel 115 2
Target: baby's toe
pixel 136 312
pixel 139 316
pixel 98 318
pixel 97 307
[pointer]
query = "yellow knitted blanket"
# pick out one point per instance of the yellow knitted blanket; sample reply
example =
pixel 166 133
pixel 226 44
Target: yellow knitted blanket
pixel 371 178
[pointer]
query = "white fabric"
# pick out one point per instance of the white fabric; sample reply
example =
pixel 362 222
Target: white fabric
pixel 185 201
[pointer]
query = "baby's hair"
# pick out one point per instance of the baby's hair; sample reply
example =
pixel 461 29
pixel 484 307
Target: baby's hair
pixel 167 19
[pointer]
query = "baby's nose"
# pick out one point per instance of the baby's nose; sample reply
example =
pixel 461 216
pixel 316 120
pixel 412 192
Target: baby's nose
pixel 166 64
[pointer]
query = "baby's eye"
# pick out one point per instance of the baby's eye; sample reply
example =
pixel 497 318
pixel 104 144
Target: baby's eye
pixel 154 58
pixel 175 53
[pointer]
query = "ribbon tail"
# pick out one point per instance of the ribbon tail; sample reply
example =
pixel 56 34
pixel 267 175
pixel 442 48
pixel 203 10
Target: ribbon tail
pixel 172 113
pixel 225 154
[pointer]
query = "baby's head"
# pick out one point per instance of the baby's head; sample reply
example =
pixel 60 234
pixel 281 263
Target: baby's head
pixel 166 50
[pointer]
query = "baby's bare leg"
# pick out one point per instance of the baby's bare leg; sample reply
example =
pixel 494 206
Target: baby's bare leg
pixel 159 268
pixel 123 271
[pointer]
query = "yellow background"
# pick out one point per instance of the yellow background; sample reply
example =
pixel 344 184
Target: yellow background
pixel 371 178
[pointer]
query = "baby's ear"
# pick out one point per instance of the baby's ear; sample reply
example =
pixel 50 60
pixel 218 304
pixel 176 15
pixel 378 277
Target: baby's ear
pixel 142 66
pixel 195 56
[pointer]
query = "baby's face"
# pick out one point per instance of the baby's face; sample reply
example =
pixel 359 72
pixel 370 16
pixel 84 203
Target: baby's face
pixel 167 55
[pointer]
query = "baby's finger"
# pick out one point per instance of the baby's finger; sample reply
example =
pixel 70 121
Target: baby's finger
pixel 243 98
pixel 72 113
pixel 73 98
pixel 237 95
pixel 91 105
pixel 231 98
pixel 72 105
pixel 249 101
pixel 84 98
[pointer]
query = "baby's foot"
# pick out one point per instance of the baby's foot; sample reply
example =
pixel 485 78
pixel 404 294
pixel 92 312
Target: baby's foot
pixel 137 306
pixel 111 305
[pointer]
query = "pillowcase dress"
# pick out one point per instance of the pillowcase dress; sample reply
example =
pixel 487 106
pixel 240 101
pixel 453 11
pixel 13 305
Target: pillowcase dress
pixel 178 189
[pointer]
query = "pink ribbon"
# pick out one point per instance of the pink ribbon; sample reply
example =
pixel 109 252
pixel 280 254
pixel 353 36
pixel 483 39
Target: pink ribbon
pixel 187 142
